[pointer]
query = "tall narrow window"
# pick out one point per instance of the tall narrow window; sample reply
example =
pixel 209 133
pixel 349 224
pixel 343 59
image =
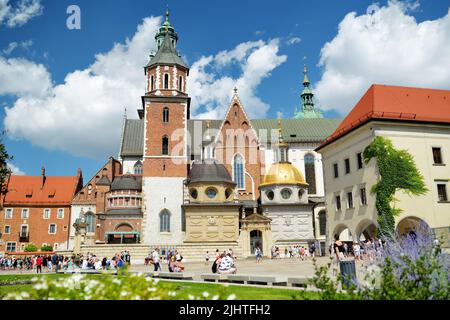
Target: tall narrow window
pixel 359 160
pixel 347 166
pixel 165 145
pixel 349 200
pixel 166 115
pixel 437 156
pixel 310 173
pixel 25 213
pixel 442 192
pixel 338 203
pixel 180 83
pixel 362 194
pixel 90 221
pixel 24 231
pixel 138 167
pixel 238 171
pixel 164 221
pixel 166 81
pixel 336 170
pixel 322 223
pixel 152 83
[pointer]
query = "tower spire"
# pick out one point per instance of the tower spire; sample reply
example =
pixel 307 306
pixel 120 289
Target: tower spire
pixel 282 152
pixel 307 107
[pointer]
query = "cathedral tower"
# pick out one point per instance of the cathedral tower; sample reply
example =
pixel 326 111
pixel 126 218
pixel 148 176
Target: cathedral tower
pixel 165 113
pixel 307 109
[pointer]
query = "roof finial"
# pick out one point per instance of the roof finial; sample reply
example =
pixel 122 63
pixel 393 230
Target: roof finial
pixel 235 90
pixel 280 134
pixel 125 113
pixel 305 75
pixel 167 23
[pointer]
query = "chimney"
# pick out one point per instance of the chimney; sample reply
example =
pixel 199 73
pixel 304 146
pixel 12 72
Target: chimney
pixel 43 177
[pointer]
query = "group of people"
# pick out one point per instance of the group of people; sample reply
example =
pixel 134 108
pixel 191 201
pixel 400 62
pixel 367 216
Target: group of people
pixel 172 258
pixel 364 250
pixel 298 251
pixel 54 262
pixel 224 263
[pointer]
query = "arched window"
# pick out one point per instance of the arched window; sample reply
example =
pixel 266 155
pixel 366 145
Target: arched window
pixel 180 83
pixel 310 173
pixel 166 81
pixel 164 221
pixel 165 145
pixel 322 223
pixel 90 221
pixel 238 171
pixel 166 115
pixel 138 167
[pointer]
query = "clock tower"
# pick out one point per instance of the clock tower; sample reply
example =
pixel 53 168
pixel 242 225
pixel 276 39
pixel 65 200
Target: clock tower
pixel 165 113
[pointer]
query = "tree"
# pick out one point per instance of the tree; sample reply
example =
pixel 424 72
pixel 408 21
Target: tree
pixel 397 171
pixel 4 170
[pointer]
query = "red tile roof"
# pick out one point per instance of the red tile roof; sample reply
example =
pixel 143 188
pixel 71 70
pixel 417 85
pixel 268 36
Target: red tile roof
pixel 56 190
pixel 395 103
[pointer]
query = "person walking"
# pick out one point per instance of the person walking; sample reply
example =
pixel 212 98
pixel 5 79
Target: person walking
pixel 258 254
pixel 39 264
pixel 156 260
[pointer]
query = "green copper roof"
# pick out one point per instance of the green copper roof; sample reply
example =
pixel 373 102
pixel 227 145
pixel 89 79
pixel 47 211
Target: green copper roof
pixel 167 54
pixel 298 130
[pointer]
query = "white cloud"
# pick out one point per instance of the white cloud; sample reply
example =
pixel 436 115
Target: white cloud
pixel 19 14
pixel 14 45
pixel 15 171
pixel 83 115
pixel 293 40
pixel 212 89
pixel 23 78
pixel 386 46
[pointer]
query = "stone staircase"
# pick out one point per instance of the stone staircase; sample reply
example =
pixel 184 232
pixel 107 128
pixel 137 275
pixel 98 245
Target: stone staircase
pixel 190 252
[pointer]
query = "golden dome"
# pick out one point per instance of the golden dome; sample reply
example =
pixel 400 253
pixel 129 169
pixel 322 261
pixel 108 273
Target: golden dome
pixel 283 173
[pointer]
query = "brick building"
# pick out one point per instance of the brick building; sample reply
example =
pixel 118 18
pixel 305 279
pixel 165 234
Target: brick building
pixel 37 209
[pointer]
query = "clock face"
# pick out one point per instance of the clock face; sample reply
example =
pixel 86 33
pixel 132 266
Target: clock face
pixel 286 193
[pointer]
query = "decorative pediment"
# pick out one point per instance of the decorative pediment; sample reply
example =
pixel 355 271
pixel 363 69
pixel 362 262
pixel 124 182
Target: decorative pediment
pixel 256 217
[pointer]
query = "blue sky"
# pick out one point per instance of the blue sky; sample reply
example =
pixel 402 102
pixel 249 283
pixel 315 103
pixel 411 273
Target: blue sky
pixel 339 71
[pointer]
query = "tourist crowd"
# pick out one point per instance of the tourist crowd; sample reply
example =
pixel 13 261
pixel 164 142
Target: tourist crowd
pixel 55 262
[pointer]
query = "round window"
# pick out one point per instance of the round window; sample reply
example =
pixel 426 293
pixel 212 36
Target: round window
pixel 193 193
pixel 286 193
pixel 228 192
pixel 211 192
pixel 269 194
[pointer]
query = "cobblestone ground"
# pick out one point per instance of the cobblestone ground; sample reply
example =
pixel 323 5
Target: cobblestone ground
pixel 281 268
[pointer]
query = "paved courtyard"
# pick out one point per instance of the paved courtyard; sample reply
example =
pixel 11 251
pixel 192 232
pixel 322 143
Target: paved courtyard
pixel 281 268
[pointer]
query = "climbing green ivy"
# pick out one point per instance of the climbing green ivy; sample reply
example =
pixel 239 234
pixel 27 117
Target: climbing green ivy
pixel 397 171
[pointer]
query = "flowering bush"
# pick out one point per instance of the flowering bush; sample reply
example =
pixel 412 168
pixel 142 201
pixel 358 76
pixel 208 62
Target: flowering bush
pixel 107 287
pixel 411 267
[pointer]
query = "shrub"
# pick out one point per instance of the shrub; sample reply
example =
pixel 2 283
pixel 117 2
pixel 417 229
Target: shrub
pixel 107 287
pixel 31 248
pixel 411 267
pixel 46 248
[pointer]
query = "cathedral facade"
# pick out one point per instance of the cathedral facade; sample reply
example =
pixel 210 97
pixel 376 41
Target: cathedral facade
pixel 235 180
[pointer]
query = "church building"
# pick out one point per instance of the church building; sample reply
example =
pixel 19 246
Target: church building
pixel 237 181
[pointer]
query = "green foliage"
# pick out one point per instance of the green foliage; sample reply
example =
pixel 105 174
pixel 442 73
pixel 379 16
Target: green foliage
pixel 122 287
pixel 410 268
pixel 397 172
pixel 31 248
pixel 46 248
pixel 4 170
